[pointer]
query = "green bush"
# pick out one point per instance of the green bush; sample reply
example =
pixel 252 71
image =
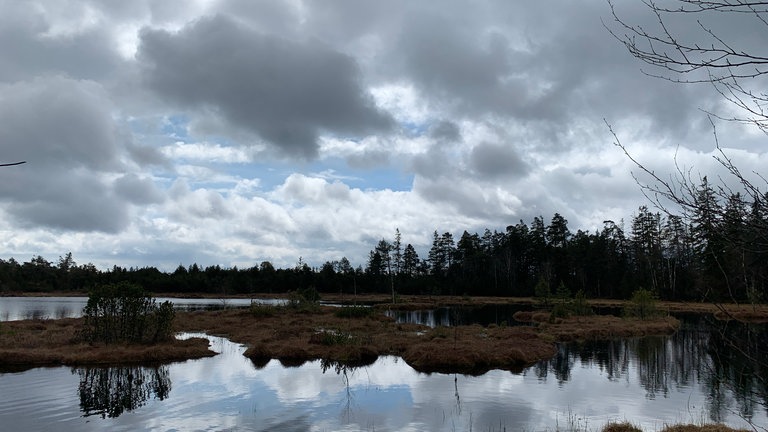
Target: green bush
pixel 306 299
pixel 261 310
pixel 580 306
pixel 642 305
pixel 541 292
pixel 124 312
pixel 559 310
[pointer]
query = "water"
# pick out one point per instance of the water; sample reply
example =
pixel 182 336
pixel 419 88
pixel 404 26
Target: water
pixel 693 376
pixel 20 308
pixel 499 314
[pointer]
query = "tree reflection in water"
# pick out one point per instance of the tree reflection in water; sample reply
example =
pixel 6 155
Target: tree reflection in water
pixel 110 391
pixel 342 369
pixel 728 358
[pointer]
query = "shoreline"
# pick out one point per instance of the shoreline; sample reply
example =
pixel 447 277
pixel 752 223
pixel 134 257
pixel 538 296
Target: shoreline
pixel 739 311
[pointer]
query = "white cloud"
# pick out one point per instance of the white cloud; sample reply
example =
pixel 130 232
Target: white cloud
pixel 206 152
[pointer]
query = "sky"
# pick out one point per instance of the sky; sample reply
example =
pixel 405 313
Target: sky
pixel 160 133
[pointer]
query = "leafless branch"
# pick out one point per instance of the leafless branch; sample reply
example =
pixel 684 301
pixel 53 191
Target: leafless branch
pixel 12 164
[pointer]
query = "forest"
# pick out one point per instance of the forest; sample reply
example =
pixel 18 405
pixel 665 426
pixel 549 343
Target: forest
pixel 717 253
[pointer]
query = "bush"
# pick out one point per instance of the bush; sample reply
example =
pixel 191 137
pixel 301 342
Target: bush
pixel 124 312
pixel 580 307
pixel 560 310
pixel 541 291
pixel 642 305
pixel 306 299
pixel 260 310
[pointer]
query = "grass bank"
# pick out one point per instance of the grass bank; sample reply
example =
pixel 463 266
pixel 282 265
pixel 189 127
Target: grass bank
pixel 29 343
pixel 628 427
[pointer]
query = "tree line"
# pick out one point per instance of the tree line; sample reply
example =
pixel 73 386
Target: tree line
pixel 717 253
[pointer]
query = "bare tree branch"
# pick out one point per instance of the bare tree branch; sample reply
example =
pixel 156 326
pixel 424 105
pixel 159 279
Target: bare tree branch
pixel 674 57
pixel 12 164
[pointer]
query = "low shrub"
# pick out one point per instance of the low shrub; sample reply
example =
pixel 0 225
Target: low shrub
pixel 642 305
pixel 559 311
pixel 541 292
pixel 580 306
pixel 261 310
pixel 305 299
pixel 124 312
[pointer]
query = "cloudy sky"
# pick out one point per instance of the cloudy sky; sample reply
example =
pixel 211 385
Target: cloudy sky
pixel 159 133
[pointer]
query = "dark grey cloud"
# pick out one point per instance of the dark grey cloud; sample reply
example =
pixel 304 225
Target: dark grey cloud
pixel 137 190
pixel 451 62
pixel 64 130
pixel 284 91
pixel 516 62
pixel 67 201
pixel 445 131
pixel 27 51
pixel 58 122
pixel 490 160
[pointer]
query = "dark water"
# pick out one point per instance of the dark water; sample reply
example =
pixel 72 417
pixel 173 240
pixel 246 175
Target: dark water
pixel 708 371
pixel 484 315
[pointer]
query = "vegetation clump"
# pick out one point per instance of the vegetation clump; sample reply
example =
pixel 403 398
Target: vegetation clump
pixel 124 312
pixel 542 293
pixel 621 427
pixel 642 305
pixel 263 310
pixel 629 427
pixel 305 299
pixel 354 312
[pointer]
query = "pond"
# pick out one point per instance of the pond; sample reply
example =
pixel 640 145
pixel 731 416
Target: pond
pixel 487 314
pixel 483 314
pixel 694 376
pixel 19 308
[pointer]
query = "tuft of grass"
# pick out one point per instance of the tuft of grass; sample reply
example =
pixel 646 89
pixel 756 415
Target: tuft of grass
pixel 642 305
pixel 439 332
pixel 354 312
pixel 580 306
pixel 701 428
pixel 304 300
pixel 333 337
pixel 621 427
pixel 259 310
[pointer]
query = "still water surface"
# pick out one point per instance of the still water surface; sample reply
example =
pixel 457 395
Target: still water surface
pixel 20 308
pixel 689 377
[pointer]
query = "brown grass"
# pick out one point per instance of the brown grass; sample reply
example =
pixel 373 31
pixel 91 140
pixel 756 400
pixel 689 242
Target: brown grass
pixel 607 327
pixel 52 342
pixel 621 427
pixel 628 427
pixel 701 428
pixel 294 337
